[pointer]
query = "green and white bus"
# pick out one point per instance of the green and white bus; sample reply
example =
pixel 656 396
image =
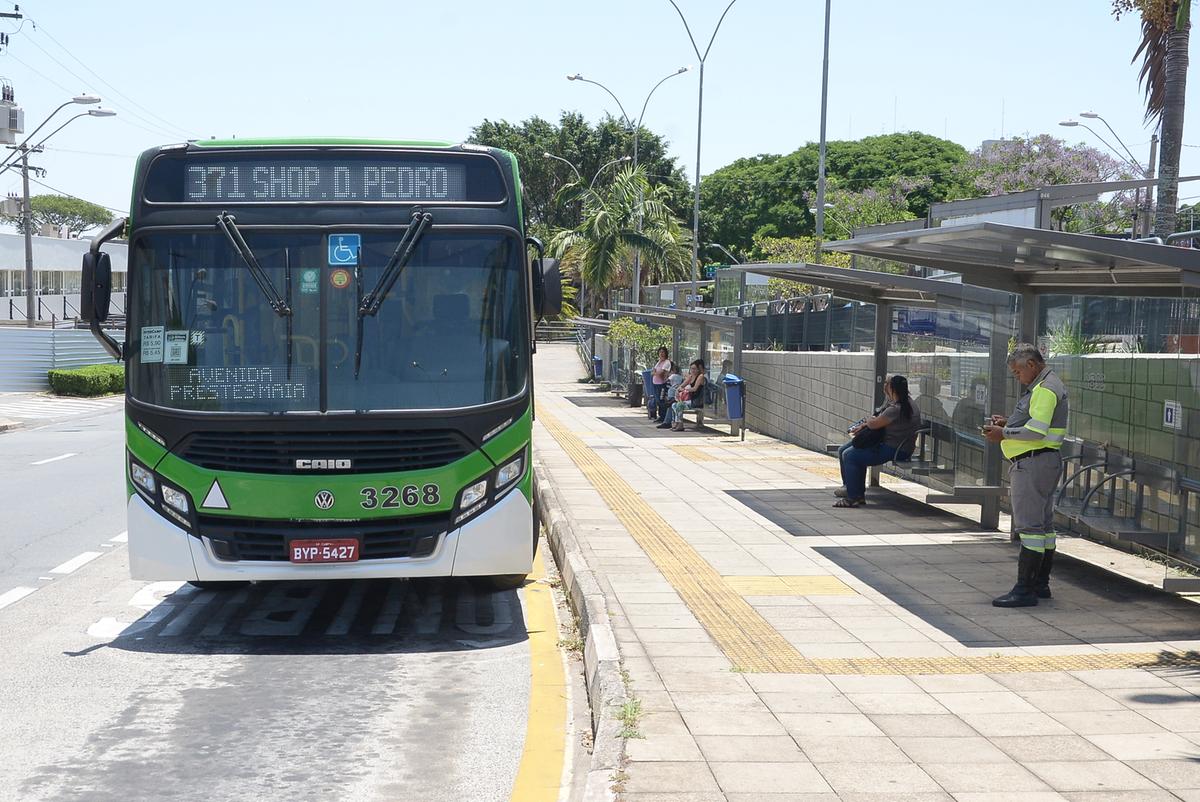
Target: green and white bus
pixel 327 348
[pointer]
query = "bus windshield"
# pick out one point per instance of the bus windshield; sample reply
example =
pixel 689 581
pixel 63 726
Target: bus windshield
pixel 451 333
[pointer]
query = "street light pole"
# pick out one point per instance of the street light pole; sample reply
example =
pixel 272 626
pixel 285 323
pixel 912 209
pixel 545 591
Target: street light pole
pixel 635 294
pixel 24 149
pixel 1141 199
pixel 821 147
pixel 699 125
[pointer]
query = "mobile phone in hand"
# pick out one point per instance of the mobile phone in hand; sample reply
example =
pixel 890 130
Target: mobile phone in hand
pixel 856 424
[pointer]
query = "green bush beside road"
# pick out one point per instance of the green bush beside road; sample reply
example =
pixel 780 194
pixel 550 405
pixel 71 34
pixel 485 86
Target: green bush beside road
pixel 88 381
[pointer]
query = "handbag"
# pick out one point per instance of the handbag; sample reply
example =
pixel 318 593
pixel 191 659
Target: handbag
pixel 684 394
pixel 868 437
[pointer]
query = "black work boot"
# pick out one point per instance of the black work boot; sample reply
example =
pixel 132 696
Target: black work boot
pixel 1041 585
pixel 1022 594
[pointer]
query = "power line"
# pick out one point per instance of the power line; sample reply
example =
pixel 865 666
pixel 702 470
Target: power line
pixel 162 130
pixel 169 125
pixel 76 197
pixel 8 52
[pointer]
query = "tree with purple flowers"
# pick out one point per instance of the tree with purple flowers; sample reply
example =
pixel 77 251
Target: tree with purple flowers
pixel 1023 163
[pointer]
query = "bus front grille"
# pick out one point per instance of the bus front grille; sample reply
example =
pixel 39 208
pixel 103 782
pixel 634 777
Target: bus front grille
pixel 379 451
pixel 237 539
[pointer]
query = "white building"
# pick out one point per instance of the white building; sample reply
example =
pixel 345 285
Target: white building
pixel 56 275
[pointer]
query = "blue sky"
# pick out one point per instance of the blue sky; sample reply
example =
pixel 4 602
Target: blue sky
pixel 967 71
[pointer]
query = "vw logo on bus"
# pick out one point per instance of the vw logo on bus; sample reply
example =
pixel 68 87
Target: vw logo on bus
pixel 323 500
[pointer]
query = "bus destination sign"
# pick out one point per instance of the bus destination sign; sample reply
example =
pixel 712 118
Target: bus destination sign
pixel 323 181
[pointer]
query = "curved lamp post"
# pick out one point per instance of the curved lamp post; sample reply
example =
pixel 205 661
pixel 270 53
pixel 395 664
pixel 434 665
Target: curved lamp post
pixel 1141 201
pixel 699 121
pixel 21 152
pixel 637 129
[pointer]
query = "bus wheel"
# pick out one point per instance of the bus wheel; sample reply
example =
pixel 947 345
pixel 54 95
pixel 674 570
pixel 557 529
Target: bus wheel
pixel 217 585
pixel 503 581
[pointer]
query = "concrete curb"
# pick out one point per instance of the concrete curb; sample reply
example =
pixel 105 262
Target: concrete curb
pixel 601 660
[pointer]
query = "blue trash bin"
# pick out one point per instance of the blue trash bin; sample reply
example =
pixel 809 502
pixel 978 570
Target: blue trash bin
pixel 598 367
pixel 735 396
pixel 648 392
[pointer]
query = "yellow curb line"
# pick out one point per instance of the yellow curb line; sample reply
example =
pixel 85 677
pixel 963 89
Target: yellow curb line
pixel 540 773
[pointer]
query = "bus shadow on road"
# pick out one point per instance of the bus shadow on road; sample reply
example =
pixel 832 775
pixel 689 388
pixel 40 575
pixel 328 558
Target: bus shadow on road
pixel 334 617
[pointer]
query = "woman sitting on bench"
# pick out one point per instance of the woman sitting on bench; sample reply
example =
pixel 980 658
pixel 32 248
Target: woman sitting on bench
pixel 690 394
pixel 877 440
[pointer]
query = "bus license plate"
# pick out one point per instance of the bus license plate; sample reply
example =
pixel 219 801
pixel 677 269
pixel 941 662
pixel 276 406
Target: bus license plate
pixel 341 550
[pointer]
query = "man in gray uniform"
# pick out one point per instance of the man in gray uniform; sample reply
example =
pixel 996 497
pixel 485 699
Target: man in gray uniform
pixel 1030 439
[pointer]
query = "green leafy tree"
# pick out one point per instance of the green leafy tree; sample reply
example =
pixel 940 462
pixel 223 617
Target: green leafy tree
pixel 1166 29
pixel 766 195
pixel 783 250
pixel 59 210
pixel 600 247
pixel 589 147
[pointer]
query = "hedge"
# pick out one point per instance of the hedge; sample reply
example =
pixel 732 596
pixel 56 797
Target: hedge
pixel 91 380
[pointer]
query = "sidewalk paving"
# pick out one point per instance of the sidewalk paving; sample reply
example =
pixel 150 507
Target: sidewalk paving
pixel 783 650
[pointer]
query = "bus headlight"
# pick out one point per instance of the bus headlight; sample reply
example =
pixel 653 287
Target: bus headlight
pixel 143 477
pixel 473 494
pixel 471 500
pixel 175 498
pixel 509 472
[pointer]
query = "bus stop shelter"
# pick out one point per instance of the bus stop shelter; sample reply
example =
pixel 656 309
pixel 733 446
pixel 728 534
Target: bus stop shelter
pixel 888 292
pixel 1135 413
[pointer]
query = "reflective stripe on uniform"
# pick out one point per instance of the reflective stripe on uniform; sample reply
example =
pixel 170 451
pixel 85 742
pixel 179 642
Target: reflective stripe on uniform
pixel 1035 542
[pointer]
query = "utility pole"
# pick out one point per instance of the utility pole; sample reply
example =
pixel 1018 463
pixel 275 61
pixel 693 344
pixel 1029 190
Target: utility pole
pixel 1147 222
pixel 27 224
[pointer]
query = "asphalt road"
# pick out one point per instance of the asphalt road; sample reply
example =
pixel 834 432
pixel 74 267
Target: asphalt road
pixel 113 689
pixel 56 507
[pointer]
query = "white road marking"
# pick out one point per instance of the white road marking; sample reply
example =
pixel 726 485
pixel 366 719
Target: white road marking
pixel 180 622
pixel 54 459
pixel 348 610
pixel 149 597
pixel 46 578
pixel 214 627
pixel 14 595
pixel 386 621
pixel 121 538
pixel 501 615
pixel 75 563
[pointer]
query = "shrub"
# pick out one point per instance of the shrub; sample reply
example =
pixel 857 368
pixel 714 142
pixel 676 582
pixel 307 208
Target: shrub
pixel 90 380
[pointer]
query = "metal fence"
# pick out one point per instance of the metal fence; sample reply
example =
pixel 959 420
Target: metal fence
pixel 27 354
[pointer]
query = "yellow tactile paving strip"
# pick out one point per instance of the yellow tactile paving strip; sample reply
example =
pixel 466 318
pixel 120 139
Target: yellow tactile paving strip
pixel 789 586
pixel 742 634
pixel 693 453
pixel 1004 663
pixel 752 644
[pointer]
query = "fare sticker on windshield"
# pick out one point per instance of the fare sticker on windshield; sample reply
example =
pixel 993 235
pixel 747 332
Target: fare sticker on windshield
pixel 340 279
pixel 152 344
pixel 310 282
pixel 176 348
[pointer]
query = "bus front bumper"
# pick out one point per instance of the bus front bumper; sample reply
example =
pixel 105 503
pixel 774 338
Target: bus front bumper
pixel 499 541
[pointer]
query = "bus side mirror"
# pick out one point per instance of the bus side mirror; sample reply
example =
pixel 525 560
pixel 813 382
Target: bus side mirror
pixel 550 304
pixel 95 287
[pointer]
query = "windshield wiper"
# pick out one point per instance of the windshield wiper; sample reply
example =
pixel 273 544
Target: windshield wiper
pixel 228 226
pixel 391 271
pixel 358 294
pixel 287 284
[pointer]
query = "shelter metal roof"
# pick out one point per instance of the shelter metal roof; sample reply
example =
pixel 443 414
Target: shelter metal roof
pixel 870 286
pixel 1020 259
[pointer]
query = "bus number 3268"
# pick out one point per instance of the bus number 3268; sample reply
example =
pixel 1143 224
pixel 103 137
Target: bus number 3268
pixel 389 497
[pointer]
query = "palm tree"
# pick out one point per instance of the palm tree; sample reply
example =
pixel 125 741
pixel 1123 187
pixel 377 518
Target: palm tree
pixel 616 219
pixel 1166 25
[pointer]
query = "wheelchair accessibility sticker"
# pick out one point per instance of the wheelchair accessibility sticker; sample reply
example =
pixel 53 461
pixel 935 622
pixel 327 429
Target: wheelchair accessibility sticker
pixel 343 249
